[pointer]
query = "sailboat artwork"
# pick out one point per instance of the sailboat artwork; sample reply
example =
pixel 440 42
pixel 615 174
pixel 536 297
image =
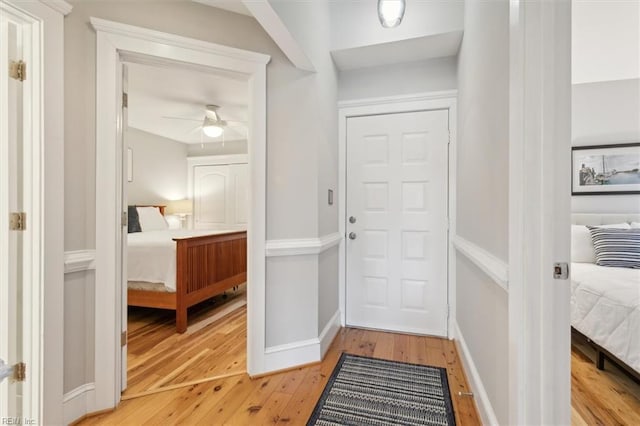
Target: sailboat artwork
pixel 606 169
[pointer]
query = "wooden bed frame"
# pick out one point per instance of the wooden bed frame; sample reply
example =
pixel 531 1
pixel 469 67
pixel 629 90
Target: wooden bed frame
pixel 206 266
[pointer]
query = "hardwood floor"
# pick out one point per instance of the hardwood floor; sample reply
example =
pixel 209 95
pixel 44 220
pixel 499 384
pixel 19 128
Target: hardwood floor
pixel 213 345
pixel 289 397
pixel 606 397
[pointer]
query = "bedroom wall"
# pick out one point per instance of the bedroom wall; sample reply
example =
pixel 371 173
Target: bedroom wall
pixel 399 79
pixel 482 191
pixel 159 168
pixel 606 112
pixel 217 148
pixel 298 107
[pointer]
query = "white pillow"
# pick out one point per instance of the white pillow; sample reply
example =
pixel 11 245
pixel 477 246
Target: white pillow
pixel 635 225
pixel 151 219
pixel 173 221
pixel 582 250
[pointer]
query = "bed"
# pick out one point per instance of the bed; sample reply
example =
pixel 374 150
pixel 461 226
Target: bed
pixel 177 268
pixel 605 301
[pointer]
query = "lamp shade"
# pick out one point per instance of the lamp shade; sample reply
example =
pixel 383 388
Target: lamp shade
pixel 180 207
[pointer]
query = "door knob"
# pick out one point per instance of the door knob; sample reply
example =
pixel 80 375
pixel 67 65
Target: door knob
pixel 352 235
pixel 352 219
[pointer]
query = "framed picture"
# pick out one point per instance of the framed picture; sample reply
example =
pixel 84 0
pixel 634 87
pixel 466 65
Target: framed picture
pixel 605 169
pixel 129 165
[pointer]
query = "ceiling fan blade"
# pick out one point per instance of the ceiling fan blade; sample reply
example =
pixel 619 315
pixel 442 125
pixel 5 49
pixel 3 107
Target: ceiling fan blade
pixel 235 123
pixel 181 118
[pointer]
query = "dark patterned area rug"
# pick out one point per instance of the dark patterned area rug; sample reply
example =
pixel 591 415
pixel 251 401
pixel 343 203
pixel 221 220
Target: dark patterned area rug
pixel 369 391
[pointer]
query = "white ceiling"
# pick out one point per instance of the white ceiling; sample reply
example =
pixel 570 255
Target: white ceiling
pixel 408 50
pixel 230 5
pixel 158 92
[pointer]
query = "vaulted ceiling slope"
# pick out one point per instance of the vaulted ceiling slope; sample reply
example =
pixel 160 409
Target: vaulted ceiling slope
pixel 429 30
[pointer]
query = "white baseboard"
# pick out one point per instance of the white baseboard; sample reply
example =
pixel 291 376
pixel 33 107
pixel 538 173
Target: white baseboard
pixel 329 333
pixel 78 402
pixel 290 355
pixel 481 398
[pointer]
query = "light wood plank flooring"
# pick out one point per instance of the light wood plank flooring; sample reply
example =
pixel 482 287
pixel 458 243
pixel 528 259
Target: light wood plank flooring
pixel 213 345
pixel 289 397
pixel 606 397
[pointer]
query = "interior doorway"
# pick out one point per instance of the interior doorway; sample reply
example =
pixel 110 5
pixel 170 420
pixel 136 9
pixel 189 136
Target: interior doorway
pixel 117 43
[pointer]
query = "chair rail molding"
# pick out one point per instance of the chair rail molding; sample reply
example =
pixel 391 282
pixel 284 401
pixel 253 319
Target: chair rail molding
pixel 494 267
pixel 302 246
pixel 79 260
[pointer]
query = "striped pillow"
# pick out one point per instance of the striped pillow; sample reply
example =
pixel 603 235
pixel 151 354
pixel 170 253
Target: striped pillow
pixel 618 248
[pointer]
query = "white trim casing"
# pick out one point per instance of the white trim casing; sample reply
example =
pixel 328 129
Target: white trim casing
pixel 539 211
pixel 387 105
pixel 481 399
pixel 78 402
pixel 79 260
pixel 301 247
pixel 495 268
pixel 114 41
pixel 303 352
pixel 44 203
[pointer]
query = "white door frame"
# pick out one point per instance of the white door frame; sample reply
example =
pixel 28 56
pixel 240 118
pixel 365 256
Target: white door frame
pixel 388 105
pixel 114 40
pixel 539 211
pixel 43 127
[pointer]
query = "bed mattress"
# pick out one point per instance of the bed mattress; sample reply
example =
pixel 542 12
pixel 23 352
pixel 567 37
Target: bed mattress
pixel 151 256
pixel 605 306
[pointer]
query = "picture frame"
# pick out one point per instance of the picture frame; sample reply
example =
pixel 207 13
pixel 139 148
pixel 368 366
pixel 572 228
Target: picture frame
pixel 129 165
pixel 605 169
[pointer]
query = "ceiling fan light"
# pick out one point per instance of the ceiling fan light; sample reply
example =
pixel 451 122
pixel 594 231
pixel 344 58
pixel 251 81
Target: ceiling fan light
pixel 212 130
pixel 391 12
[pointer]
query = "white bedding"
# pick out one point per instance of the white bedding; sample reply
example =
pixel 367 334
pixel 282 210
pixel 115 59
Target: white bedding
pixel 151 256
pixel 605 306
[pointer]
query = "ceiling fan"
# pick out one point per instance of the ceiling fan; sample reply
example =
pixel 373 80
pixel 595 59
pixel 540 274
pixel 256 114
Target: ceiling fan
pixel 212 125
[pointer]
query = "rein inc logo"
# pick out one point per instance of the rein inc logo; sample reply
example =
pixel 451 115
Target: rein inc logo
pixel 17 421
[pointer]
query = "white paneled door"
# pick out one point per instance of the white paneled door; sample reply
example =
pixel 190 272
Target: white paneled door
pixel 397 222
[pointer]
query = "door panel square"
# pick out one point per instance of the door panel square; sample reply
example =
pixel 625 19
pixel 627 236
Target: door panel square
pixel 414 294
pixel 376 196
pixel 376 289
pixel 375 244
pixel 414 196
pixel 415 148
pixel 415 245
pixel 376 149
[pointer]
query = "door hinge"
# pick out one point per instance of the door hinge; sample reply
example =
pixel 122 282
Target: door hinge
pixel 17 221
pixel 18 70
pixel 20 372
pixel 124 219
pixel 125 100
pixel 123 338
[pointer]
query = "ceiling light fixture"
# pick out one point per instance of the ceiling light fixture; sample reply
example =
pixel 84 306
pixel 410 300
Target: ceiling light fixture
pixel 212 125
pixel 391 12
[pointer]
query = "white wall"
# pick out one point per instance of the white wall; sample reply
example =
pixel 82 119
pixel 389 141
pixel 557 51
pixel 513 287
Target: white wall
pixel 217 148
pixel 159 168
pixel 316 123
pixel 355 23
pixel 605 113
pixel 605 40
pixel 482 191
pixel 399 79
